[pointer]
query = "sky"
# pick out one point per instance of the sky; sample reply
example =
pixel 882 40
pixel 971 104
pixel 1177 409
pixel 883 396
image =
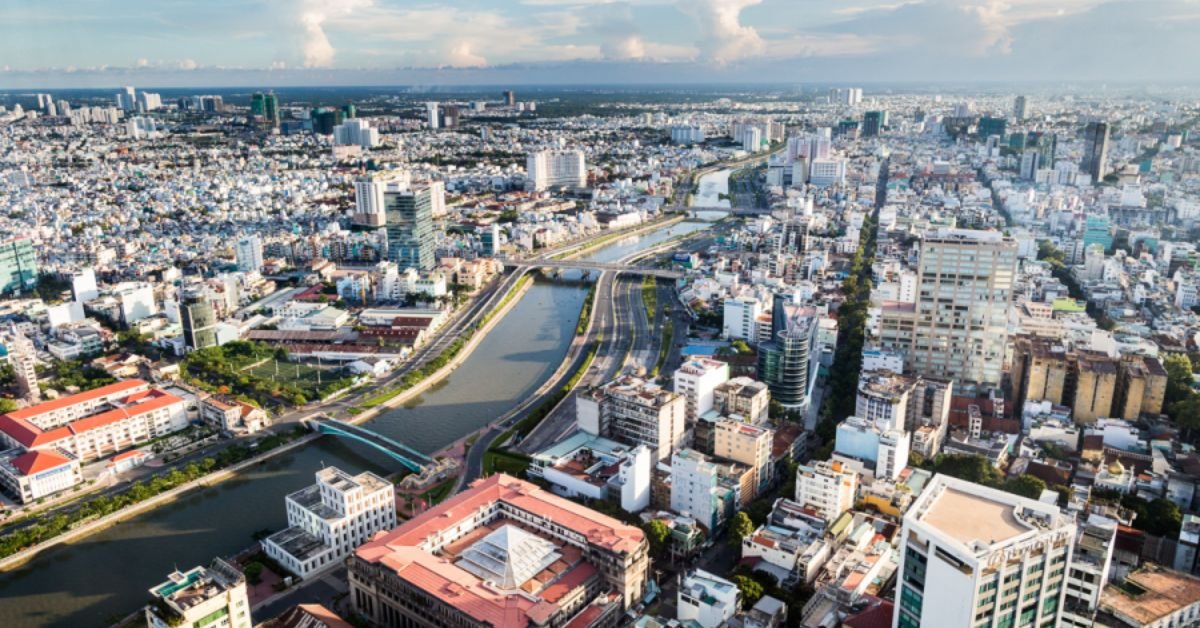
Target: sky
pixel 183 43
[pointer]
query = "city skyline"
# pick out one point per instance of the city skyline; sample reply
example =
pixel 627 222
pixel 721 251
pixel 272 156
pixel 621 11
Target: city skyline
pixel 376 42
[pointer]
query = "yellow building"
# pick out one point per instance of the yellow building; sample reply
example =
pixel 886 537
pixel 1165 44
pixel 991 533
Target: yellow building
pixel 748 444
pixel 1095 387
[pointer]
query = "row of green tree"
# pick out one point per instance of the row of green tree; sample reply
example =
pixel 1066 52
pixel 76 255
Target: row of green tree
pixel 39 528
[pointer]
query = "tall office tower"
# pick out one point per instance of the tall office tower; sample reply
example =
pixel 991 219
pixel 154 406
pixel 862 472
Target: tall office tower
pixel 265 105
pixel 369 202
pixel 127 98
pixel 958 328
pixel 349 111
pixel 785 361
pixel 24 364
pixel 697 380
pixel 18 265
pixel 1095 151
pixel 503 552
pixel 977 556
pixel 431 114
pixel 873 123
pixel 249 253
pixel 409 226
pixel 197 317
pixel 202 596
pixel 450 117
pixel 992 125
pixel 356 132
pixel 752 140
pixel 510 98
pixel 325 120
pixel 1020 108
pixel 552 168
pixel 635 412
pixel 826 486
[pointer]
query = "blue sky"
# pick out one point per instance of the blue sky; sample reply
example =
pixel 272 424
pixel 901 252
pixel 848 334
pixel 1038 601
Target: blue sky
pixel 95 43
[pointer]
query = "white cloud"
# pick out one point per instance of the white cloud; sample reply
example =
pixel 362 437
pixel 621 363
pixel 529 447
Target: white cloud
pixel 143 62
pixel 460 56
pixel 188 64
pixel 627 47
pixel 318 51
pixel 723 37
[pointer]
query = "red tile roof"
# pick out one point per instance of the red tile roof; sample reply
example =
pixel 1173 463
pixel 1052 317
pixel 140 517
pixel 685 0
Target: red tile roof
pixel 102 392
pixel 32 462
pixel 30 436
pixel 400 549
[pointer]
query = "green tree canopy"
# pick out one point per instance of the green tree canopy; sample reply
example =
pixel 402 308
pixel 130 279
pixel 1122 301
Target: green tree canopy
pixel 740 528
pixel 752 591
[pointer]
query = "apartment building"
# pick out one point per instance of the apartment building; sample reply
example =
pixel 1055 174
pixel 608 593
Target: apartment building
pixel 749 445
pixel 828 487
pixel 634 411
pixel 697 379
pixel 213 596
pixel 328 520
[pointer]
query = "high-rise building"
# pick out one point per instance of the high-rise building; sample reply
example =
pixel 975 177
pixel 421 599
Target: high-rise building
pixel 501 553
pixel 450 116
pixel 874 123
pixel 698 489
pixel 635 412
pixel 197 317
pixel 785 363
pixel 127 99
pixel 356 132
pixel 991 125
pixel 325 120
pixel 330 519
pixel 555 168
pixel 1097 230
pixel 23 358
pixel 1020 108
pixel 958 328
pixel 432 117
pixel 740 318
pixel 748 444
pixel 489 240
pixel 369 196
pixel 510 98
pixel 881 446
pixel 696 379
pixel 826 486
pixel 409 226
pixel 1095 150
pixel 249 253
pixel 971 554
pixel 18 265
pixel 202 596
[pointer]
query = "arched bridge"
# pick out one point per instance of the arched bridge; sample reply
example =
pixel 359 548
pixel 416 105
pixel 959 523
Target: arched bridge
pixel 601 266
pixel 412 459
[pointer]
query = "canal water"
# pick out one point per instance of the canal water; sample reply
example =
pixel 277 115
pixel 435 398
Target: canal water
pixel 107 575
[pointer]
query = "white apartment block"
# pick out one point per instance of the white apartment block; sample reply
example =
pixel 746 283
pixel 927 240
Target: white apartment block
pixel 696 379
pixel 828 487
pixel 740 319
pixel 975 556
pixel 548 168
pixel 694 490
pixel 707 599
pixel 249 253
pixel 330 519
pixel 1091 563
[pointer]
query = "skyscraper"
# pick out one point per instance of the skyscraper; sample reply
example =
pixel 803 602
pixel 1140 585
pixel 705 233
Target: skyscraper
pixel 873 123
pixel 199 322
pixel 971 553
pixel 784 362
pixel 1095 151
pixel 267 106
pixel 431 110
pixel 510 98
pixel 409 226
pixel 18 265
pixel 958 327
pixel 1020 108
pixel 990 125
pixel 249 252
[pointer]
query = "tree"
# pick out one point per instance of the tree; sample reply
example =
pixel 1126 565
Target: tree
pixel 1179 377
pixel 7 405
pixel 752 591
pixel 253 571
pixel 740 528
pixel 1025 486
pixel 657 534
pixel 1186 413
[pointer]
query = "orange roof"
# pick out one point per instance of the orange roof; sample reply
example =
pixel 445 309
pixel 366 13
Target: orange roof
pixel 32 462
pixel 132 453
pixel 400 550
pixel 102 392
pixel 29 435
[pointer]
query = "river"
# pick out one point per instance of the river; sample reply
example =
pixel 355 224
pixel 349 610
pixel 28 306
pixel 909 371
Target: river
pixel 107 575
